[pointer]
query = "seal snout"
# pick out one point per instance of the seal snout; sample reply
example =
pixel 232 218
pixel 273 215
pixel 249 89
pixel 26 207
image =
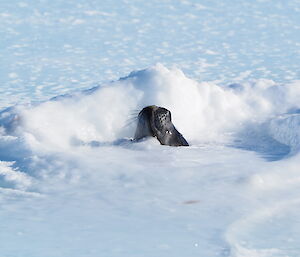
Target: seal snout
pixel 157 122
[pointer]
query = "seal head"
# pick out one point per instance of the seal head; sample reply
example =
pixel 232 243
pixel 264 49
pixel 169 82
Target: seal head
pixel 156 122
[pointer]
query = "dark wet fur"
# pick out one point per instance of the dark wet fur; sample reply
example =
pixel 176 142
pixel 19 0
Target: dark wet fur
pixel 156 122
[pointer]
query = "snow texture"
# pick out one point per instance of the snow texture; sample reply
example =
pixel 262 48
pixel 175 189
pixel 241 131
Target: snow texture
pixel 74 76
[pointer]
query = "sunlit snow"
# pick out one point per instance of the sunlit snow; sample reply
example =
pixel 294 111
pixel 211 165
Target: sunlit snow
pixel 75 74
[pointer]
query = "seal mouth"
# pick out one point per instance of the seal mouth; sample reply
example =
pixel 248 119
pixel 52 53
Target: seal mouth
pixel 157 122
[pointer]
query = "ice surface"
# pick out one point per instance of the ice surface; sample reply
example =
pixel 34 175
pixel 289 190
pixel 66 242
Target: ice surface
pixel 73 78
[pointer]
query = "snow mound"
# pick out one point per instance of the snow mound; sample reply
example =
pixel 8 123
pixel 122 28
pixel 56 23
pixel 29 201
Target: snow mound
pixel 202 112
pixel 286 130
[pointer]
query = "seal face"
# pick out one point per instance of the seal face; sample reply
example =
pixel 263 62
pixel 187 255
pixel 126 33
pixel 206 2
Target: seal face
pixel 156 122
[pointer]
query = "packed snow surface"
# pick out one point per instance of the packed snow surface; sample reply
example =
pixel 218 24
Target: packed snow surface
pixel 74 77
pixel 71 172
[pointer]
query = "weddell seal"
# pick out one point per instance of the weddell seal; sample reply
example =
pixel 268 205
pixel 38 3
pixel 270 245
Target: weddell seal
pixel 156 122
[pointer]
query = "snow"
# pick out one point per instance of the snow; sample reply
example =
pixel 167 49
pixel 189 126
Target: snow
pixel 74 77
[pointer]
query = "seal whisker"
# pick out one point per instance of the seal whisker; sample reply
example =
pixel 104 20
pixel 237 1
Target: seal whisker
pixel 130 121
pixel 135 110
pixel 135 114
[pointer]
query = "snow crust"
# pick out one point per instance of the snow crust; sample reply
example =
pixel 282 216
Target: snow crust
pixel 71 181
pixel 71 158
